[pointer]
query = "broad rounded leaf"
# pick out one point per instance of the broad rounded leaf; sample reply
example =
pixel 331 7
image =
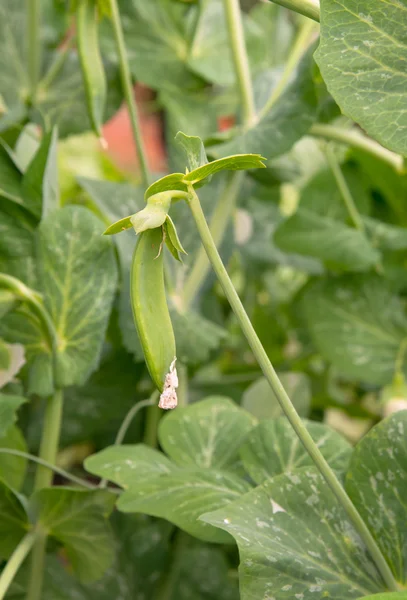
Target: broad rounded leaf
pixel 357 323
pixel 259 398
pixel 206 434
pixel 329 240
pixel 78 277
pixel 377 483
pixel 78 519
pixel 182 496
pixel 129 465
pixel 295 541
pixel 273 447
pixel 362 57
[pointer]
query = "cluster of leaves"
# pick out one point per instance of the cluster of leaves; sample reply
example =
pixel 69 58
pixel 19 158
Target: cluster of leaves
pixel 325 290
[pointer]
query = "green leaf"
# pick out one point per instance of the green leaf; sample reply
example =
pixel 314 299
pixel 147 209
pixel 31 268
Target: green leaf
pixel 322 196
pixel 9 405
pixel 194 150
pixel 78 519
pixel 260 401
pixel 78 278
pixel 129 466
pixel 17 239
pixel 237 162
pixel 62 101
pixel 13 468
pixel 295 541
pixel 146 543
pixel 385 236
pixel 206 434
pixel 287 121
pixel 363 68
pixel 357 324
pixel 376 482
pixel 196 337
pixel 13 520
pixel 157 36
pixel 324 238
pixel 182 496
pixel 89 413
pixel 40 182
pixel 273 447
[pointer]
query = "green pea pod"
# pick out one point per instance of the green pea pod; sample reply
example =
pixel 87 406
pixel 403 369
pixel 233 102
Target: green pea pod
pixel 91 62
pixel 150 310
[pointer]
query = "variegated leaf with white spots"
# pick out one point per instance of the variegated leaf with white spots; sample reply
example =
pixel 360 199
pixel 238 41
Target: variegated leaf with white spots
pixel 295 542
pixel 129 465
pixel 273 447
pixel 377 483
pixel 207 434
pixel 182 496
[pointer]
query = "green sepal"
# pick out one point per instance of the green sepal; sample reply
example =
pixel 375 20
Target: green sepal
pixel 173 235
pixel 119 226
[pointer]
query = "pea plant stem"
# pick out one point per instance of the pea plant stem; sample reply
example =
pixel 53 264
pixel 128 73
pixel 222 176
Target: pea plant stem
pixel 344 189
pixel 281 395
pixel 48 452
pixel 308 8
pixel 128 91
pixel 219 221
pixel 14 563
pixel 34 45
pixel 358 140
pixel 241 62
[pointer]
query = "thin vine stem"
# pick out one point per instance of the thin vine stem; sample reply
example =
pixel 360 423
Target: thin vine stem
pixel 15 561
pixel 45 463
pixel 352 137
pixel 308 8
pixel 282 397
pixel 218 224
pixel 240 58
pixel 344 189
pixel 128 91
pixel 34 45
pixel 301 42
